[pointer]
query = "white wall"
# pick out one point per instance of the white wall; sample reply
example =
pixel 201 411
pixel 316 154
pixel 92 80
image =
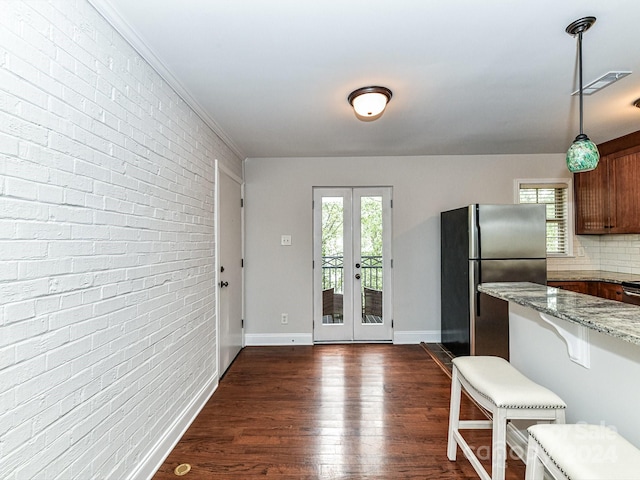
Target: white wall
pixel 107 326
pixel 278 201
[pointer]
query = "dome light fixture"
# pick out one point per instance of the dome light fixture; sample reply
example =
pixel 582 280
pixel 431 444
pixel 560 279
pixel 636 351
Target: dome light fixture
pixel 583 154
pixel 369 102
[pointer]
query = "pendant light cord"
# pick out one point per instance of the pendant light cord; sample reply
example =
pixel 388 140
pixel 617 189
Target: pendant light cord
pixel 580 74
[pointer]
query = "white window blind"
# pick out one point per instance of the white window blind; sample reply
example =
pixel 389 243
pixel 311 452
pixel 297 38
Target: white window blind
pixel 554 197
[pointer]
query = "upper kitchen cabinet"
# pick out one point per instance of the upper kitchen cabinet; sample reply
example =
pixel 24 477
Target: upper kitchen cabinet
pixel 607 199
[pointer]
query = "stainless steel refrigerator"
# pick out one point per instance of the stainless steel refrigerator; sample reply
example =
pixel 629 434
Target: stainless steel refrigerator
pixel 480 244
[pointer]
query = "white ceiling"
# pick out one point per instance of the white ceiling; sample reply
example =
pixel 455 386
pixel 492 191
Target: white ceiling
pixel 468 76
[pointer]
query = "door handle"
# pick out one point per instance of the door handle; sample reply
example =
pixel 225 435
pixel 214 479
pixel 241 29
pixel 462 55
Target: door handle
pixel 357 276
pixel 224 284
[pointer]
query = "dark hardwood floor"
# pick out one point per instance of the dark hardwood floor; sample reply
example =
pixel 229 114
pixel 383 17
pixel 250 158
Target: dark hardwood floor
pixel 328 412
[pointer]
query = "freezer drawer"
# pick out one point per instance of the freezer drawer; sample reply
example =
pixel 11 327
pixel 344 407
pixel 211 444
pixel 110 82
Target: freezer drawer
pixel 490 327
pixel 489 316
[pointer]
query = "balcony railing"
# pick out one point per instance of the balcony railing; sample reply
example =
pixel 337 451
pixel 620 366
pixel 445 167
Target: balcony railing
pixel 370 271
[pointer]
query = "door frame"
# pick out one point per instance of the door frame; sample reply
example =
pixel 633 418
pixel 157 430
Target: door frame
pixel 221 168
pixel 355 332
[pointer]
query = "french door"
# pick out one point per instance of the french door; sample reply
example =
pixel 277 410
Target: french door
pixel 352 264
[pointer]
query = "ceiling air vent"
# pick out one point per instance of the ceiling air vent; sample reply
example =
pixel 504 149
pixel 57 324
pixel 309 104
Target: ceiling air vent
pixel 601 82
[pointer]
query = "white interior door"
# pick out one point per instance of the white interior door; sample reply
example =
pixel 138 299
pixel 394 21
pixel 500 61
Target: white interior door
pixel 352 264
pixel 229 267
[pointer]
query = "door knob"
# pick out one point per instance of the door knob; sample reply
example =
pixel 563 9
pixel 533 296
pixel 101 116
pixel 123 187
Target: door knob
pixel 224 284
pixel 357 276
pixel 357 265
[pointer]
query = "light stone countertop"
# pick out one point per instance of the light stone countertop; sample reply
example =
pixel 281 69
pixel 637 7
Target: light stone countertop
pixel 590 276
pixel 617 319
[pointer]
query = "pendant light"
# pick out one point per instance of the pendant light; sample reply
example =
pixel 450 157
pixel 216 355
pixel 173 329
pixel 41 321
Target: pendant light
pixel 583 154
pixel 369 102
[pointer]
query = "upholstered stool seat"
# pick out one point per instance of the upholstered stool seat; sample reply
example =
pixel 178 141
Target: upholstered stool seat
pixel 508 395
pixel 581 452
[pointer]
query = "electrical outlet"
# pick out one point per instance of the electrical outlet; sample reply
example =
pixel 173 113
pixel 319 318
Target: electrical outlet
pixel 285 240
pixel 284 320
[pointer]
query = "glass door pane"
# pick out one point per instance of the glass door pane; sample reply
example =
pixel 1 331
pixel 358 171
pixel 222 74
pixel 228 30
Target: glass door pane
pixel 332 260
pixel 371 265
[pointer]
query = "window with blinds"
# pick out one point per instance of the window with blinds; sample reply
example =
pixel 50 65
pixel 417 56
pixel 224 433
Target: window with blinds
pixel 555 197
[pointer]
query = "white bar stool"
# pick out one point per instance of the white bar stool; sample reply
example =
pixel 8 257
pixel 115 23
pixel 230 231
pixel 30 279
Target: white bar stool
pixel 580 452
pixel 508 395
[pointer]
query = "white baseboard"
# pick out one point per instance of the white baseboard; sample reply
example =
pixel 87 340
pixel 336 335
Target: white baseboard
pixel 409 338
pixel 150 464
pixel 277 339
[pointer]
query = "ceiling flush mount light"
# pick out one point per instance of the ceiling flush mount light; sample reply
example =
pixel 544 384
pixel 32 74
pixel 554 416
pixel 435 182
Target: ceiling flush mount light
pixel 369 102
pixel 583 154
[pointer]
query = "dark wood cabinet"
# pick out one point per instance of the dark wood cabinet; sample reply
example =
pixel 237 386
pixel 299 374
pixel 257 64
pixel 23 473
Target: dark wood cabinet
pixel 592 199
pixel 573 286
pixel 624 183
pixel 608 290
pixel 607 199
pixel 611 291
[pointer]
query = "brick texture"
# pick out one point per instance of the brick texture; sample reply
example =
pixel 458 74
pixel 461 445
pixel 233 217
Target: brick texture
pixel 107 297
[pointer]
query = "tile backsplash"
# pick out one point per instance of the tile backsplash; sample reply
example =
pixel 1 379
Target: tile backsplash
pixel 615 253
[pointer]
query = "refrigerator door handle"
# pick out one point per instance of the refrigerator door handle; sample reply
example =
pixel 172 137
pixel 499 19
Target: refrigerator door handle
pixel 477 281
pixel 474 231
pixel 478 232
pixel 475 274
pixel 474 295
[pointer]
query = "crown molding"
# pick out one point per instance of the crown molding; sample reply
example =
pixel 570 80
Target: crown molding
pixel 131 36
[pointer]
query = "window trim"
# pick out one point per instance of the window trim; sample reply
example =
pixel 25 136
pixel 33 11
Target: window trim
pixel 570 219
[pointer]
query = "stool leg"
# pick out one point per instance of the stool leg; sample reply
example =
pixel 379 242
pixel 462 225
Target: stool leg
pixel 454 414
pixel 499 447
pixel 535 469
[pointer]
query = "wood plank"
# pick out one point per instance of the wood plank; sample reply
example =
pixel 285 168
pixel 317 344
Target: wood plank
pixel 328 411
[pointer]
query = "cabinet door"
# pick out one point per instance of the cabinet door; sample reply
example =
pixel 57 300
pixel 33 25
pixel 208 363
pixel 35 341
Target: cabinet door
pixel 572 286
pixel 592 199
pixel 611 291
pixel 624 183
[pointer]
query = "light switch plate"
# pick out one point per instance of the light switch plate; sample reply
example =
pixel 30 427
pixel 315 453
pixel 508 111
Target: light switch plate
pixel 285 240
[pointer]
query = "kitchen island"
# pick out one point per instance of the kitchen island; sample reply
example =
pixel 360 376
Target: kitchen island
pixel 584 348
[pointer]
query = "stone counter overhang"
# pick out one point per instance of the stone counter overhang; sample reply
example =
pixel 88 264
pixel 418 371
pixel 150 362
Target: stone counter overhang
pixel 617 319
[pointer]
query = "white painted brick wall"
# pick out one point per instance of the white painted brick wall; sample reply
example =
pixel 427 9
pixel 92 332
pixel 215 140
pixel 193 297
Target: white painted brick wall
pixel 106 247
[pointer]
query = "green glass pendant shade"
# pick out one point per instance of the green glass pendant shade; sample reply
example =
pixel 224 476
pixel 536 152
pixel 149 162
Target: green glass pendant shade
pixel 582 155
